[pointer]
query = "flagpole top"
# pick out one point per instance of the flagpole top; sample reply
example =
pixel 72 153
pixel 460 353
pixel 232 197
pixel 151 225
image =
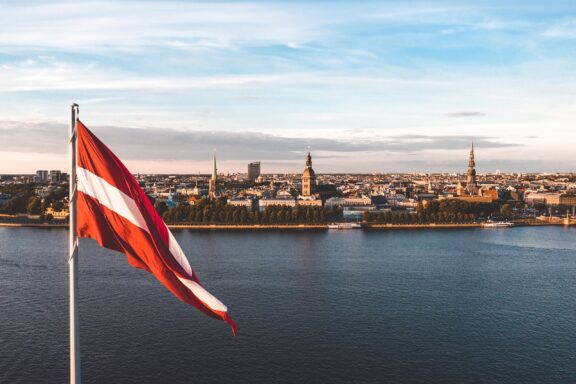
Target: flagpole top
pixel 75 109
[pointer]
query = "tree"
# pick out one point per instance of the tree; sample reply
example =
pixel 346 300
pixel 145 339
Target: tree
pixel 243 215
pixel 506 210
pixel 16 205
pixel 281 218
pixel 273 219
pixel 366 216
pixel 58 205
pixel 161 207
pixel 420 207
pixel 34 206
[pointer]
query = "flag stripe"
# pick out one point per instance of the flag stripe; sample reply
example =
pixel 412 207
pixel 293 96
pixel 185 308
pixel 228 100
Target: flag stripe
pixel 110 196
pixel 204 296
pixel 178 254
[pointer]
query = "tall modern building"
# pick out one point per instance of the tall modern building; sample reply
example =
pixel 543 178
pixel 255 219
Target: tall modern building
pixel 253 170
pixel 54 176
pixel 212 188
pixel 308 178
pixel 42 176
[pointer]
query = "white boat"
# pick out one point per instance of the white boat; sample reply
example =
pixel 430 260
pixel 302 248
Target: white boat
pixel 344 226
pixel 497 224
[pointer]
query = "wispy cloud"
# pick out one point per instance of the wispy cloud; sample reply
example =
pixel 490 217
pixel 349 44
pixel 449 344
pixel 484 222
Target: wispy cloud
pixel 132 26
pixel 466 114
pixel 565 29
pixel 169 144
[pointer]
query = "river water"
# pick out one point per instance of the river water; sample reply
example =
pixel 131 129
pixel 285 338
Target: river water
pixel 401 306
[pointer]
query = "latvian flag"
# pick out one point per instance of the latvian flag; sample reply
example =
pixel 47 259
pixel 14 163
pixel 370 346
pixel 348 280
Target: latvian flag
pixel 114 211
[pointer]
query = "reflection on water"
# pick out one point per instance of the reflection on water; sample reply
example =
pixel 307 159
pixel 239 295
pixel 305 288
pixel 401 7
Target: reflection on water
pixel 535 237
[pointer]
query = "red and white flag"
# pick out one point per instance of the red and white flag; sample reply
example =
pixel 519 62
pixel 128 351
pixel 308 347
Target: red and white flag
pixel 114 211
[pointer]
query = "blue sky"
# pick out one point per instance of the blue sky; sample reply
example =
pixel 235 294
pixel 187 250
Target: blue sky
pixel 371 86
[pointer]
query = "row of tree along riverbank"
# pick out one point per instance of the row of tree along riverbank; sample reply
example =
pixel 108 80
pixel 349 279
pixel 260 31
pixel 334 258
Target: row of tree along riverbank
pixel 217 213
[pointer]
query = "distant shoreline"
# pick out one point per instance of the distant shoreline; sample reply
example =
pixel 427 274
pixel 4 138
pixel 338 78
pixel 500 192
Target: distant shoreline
pixel 39 225
pixel 293 227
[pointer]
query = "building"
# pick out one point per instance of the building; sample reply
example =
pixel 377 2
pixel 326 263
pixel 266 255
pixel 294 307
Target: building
pixel 213 185
pixel 568 200
pixel 326 191
pixel 470 187
pixel 286 201
pixel 471 174
pixel 555 199
pixel 242 202
pixel 308 178
pixel 253 171
pixel 472 198
pixel 55 176
pixel 58 215
pixel 41 176
pixel 309 202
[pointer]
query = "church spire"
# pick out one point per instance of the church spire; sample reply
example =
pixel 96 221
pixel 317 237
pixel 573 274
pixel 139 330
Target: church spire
pixel 212 192
pixel 214 170
pixel 471 174
pixel 471 162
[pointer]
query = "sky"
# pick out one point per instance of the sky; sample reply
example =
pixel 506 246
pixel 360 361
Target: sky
pixel 369 86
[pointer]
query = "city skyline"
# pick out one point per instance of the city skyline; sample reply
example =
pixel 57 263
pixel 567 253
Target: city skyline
pixel 371 87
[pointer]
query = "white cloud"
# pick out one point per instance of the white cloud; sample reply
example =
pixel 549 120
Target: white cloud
pixel 563 30
pixel 94 26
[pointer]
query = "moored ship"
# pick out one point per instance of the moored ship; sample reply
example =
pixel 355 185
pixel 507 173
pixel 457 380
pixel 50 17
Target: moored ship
pixel 497 224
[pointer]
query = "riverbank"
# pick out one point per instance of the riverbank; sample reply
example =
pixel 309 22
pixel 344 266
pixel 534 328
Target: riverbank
pixel 207 227
pixel 298 227
pixel 419 226
pixel 217 227
pixel 35 225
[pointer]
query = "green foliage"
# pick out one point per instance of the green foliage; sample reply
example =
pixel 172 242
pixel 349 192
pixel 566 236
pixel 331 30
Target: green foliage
pixel 218 212
pixel 506 210
pixel 24 200
pixel 34 206
pixel 16 204
pixel 161 207
pixel 449 211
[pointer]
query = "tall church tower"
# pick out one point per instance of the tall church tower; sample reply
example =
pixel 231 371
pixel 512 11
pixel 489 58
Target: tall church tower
pixel 471 183
pixel 471 175
pixel 212 190
pixel 308 178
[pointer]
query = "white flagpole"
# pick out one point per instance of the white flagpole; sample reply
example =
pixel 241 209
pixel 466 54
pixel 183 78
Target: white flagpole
pixel 73 259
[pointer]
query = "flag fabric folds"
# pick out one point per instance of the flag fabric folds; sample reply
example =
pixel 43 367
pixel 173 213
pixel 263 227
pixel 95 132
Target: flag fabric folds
pixel 114 211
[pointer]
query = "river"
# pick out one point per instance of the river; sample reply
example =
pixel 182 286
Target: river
pixel 402 306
